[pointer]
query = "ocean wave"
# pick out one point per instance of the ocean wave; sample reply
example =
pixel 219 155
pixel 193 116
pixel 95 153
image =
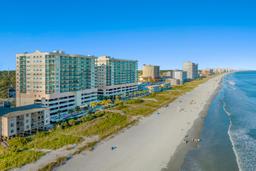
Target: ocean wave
pixel 225 110
pixel 230 137
pixel 233 146
pixel 232 83
pixel 244 147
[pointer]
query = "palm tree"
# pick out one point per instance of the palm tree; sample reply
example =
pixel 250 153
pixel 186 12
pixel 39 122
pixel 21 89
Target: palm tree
pixel 78 109
pixel 58 113
pixel 118 102
pixel 72 122
pixel 70 111
pixel 93 104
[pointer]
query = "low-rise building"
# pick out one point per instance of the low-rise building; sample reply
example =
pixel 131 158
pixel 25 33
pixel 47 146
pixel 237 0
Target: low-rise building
pixel 168 74
pixel 206 72
pixel 143 86
pixel 23 120
pixel 11 92
pixel 222 70
pixel 165 86
pixel 154 88
pixel 173 81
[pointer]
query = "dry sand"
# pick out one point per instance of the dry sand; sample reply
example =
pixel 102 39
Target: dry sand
pixel 149 145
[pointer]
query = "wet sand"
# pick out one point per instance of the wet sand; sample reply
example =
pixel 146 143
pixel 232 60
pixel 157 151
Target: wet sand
pixel 177 159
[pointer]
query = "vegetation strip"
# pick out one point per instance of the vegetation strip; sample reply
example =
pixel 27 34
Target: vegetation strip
pixel 23 150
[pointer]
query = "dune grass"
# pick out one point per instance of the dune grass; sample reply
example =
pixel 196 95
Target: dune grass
pixel 53 140
pixel 53 164
pixel 11 159
pixel 156 100
pixel 23 150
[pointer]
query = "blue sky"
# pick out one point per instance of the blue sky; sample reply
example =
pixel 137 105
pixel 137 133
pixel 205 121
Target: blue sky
pixel 166 33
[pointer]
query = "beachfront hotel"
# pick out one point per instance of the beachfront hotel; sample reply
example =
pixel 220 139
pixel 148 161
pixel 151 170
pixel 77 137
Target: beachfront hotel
pixel 58 80
pixel 116 77
pixel 151 72
pixel 63 81
pixel 23 120
pixel 191 69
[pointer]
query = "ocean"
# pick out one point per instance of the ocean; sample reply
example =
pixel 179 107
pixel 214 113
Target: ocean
pixel 229 132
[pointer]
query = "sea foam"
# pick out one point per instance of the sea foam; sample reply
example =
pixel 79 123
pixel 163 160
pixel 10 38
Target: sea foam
pixel 230 137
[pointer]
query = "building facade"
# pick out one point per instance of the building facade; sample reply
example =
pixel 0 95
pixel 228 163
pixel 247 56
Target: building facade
pixel 151 72
pixel 191 69
pixel 206 72
pixel 116 77
pixel 63 81
pixel 168 74
pixel 23 120
pixel 173 81
pixel 180 75
pixel 59 81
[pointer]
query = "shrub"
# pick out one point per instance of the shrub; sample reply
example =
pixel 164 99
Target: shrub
pixel 135 101
pixel 71 122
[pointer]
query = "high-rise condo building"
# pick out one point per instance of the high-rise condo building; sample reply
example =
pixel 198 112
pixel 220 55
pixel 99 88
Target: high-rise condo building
pixel 63 81
pixel 59 81
pixel 151 72
pixel 191 69
pixel 116 77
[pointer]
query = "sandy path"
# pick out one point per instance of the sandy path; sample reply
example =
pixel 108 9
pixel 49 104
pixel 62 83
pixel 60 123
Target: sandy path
pixel 149 145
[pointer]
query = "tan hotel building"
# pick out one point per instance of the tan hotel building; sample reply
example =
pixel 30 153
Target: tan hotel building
pixel 151 72
pixel 23 120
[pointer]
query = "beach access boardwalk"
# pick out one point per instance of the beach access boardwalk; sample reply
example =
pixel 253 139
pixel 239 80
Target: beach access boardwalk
pixel 150 144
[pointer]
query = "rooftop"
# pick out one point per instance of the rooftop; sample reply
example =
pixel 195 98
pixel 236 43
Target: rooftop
pixel 55 52
pixel 6 110
pixel 105 57
pixel 149 65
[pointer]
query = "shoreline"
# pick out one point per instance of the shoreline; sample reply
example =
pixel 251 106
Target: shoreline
pixel 230 138
pixel 177 159
pixel 233 148
pixel 149 145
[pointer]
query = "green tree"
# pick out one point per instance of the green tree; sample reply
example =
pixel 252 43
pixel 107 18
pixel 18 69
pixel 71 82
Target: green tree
pixel 7 80
pixel 93 104
pixel 78 109
pixel 72 122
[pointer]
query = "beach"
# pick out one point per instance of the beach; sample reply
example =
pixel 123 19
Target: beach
pixel 151 143
pixel 228 133
pixel 216 145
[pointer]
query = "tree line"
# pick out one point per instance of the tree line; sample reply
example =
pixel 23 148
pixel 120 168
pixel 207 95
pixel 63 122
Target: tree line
pixel 7 80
